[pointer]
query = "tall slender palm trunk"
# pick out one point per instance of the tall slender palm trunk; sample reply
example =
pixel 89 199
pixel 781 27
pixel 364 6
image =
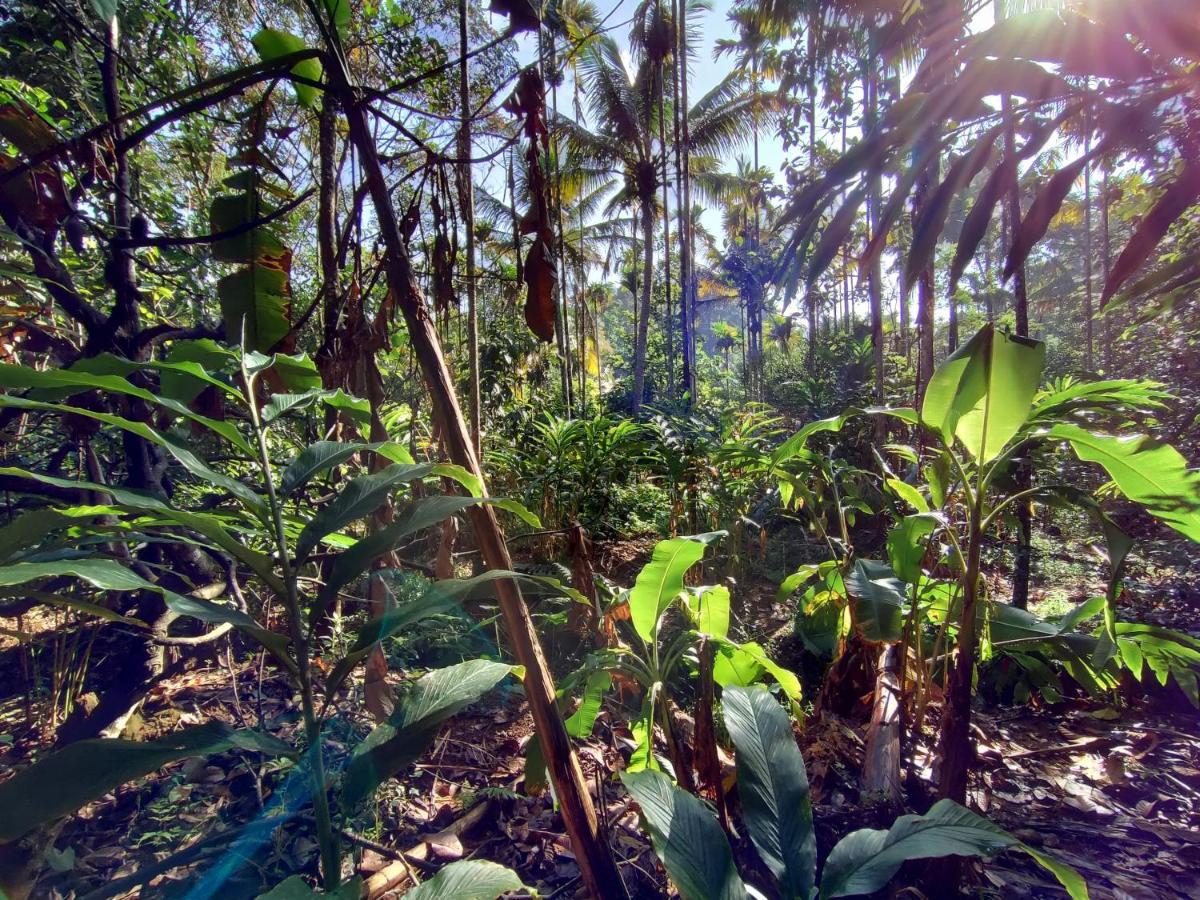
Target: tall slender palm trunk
pixel 643 317
pixel 875 272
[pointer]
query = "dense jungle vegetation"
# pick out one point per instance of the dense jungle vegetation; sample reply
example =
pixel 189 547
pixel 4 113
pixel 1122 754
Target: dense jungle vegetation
pixel 599 448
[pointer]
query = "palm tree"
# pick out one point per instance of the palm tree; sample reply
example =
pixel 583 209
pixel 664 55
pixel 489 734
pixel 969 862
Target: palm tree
pixel 743 198
pixel 624 105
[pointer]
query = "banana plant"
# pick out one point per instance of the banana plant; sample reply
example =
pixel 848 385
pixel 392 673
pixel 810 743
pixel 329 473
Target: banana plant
pixel 660 655
pixel 302 549
pixel 984 411
pixel 777 813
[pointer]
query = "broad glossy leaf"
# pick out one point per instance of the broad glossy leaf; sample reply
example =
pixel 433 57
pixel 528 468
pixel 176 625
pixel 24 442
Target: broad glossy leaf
pixel 61 782
pixel 660 582
pixel 712 617
pixel 878 601
pixel 906 544
pixel 256 306
pixel 909 494
pixel 984 392
pixel 686 837
pixel 467 879
pixel 296 888
pixel 360 497
pixel 272 43
pixel 773 787
pixel 429 702
pixel 228 212
pixel 796 580
pixel 1150 473
pixel 581 722
pixel 865 860
pixel 322 455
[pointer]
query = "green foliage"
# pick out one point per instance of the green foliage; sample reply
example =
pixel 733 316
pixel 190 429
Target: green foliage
pixel 778 814
pixel 983 394
pixel 429 702
pixel 69 778
pixel 468 879
pixel 686 837
pixel 773 787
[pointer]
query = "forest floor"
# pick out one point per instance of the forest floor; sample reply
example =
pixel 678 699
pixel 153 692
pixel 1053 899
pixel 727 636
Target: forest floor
pixel 1114 792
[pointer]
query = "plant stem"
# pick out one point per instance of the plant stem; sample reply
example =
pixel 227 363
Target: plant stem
pixel 331 868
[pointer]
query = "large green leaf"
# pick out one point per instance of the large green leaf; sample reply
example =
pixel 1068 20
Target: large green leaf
pixel 878 600
pixel 63 781
pixel 110 575
pixel 440 597
pixel 28 529
pixel 359 498
pixel 416 516
pixel 228 212
pixel 984 392
pixel 468 879
pixel 581 722
pixel 210 525
pixel 1150 473
pixel 98 375
pixel 906 544
pixel 865 860
pixel 687 838
pixel 773 788
pixel 183 455
pixel 712 615
pixel 660 582
pixel 272 43
pixel 322 455
pixel 296 888
pixel 429 702
pixel 256 306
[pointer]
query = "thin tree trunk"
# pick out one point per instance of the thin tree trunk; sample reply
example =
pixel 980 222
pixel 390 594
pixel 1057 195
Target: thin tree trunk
pixel 926 296
pixel 1024 474
pixel 643 316
pixel 1106 258
pixel 467 201
pixel 597 867
pixel 1088 301
pixel 668 323
pixel 954 746
pixel 561 322
pixel 875 272
pixel 687 260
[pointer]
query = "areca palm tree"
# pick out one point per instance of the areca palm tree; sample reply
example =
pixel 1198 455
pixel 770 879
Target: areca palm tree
pixel 624 106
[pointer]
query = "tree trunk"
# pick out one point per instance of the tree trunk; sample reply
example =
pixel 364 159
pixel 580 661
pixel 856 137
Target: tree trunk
pixel 687 235
pixel 596 865
pixel 643 317
pixel 1106 261
pixel 1024 474
pixel 1088 303
pixel 954 745
pixel 467 202
pixel 881 759
pixel 875 272
pixel 926 295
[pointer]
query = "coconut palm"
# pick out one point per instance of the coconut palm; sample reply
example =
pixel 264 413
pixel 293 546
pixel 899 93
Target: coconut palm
pixel 624 104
